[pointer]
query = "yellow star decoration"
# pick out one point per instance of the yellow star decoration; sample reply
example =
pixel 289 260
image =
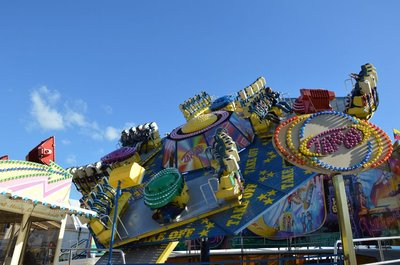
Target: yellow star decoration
pixel 262 179
pixel 307 171
pixel 271 154
pixel 270 174
pixel 262 197
pixel 204 221
pixel 267 160
pixel 203 233
pixel 263 172
pixel 268 201
pixel 271 193
pixel 209 225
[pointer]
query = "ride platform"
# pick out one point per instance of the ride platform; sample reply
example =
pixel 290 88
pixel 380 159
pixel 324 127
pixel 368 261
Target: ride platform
pixel 267 179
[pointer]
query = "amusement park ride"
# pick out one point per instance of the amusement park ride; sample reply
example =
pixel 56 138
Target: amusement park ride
pixel 252 160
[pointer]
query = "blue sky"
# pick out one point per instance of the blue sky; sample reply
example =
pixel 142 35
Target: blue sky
pixel 84 70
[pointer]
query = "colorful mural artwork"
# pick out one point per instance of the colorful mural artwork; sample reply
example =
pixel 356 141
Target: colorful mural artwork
pixel 169 158
pixel 191 151
pixel 302 212
pixel 374 203
pixel 394 163
pixel 192 154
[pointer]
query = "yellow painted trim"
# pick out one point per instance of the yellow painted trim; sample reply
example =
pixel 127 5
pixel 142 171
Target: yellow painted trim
pixel 198 123
pixel 175 225
pixel 167 251
pixel 260 228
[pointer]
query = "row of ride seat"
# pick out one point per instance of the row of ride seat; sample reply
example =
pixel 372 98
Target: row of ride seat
pixel 102 198
pixel 86 177
pixel 363 100
pixel 227 156
pixel 143 135
pixel 195 105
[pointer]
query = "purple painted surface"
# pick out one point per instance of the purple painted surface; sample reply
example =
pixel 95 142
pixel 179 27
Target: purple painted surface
pixel 118 155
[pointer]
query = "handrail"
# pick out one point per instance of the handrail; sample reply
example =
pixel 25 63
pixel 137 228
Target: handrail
pixel 394 261
pixel 312 240
pixel 211 189
pixel 95 249
pixel 77 244
pixel 378 239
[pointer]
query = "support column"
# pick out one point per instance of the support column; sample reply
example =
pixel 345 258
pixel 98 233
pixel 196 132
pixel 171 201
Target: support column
pixel 204 250
pixel 21 240
pixel 344 221
pixel 114 223
pixel 10 241
pixel 60 239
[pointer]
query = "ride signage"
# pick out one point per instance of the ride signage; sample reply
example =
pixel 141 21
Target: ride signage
pixel 332 142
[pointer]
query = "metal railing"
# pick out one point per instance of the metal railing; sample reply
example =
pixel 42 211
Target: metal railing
pixel 119 221
pixel 89 250
pixel 378 240
pixel 304 241
pixel 234 256
pixel 79 244
pixel 210 186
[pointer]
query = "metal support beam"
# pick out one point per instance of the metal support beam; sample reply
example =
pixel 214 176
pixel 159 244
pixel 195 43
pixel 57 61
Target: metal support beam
pixel 344 221
pixel 113 227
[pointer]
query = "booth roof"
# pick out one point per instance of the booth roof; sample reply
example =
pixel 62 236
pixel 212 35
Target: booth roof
pixel 66 207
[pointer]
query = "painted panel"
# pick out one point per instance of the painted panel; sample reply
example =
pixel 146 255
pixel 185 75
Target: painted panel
pixel 35 181
pixel 232 131
pixel 243 125
pixel 192 154
pixel 374 204
pixel 169 153
pixel 302 212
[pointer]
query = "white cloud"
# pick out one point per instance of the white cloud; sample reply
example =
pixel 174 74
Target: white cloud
pixel 71 160
pixel 93 130
pixel 71 115
pixel 112 133
pixel 65 141
pixel 129 125
pixel 74 118
pixel 43 110
pixel 78 105
pixel 97 135
pixel 74 113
